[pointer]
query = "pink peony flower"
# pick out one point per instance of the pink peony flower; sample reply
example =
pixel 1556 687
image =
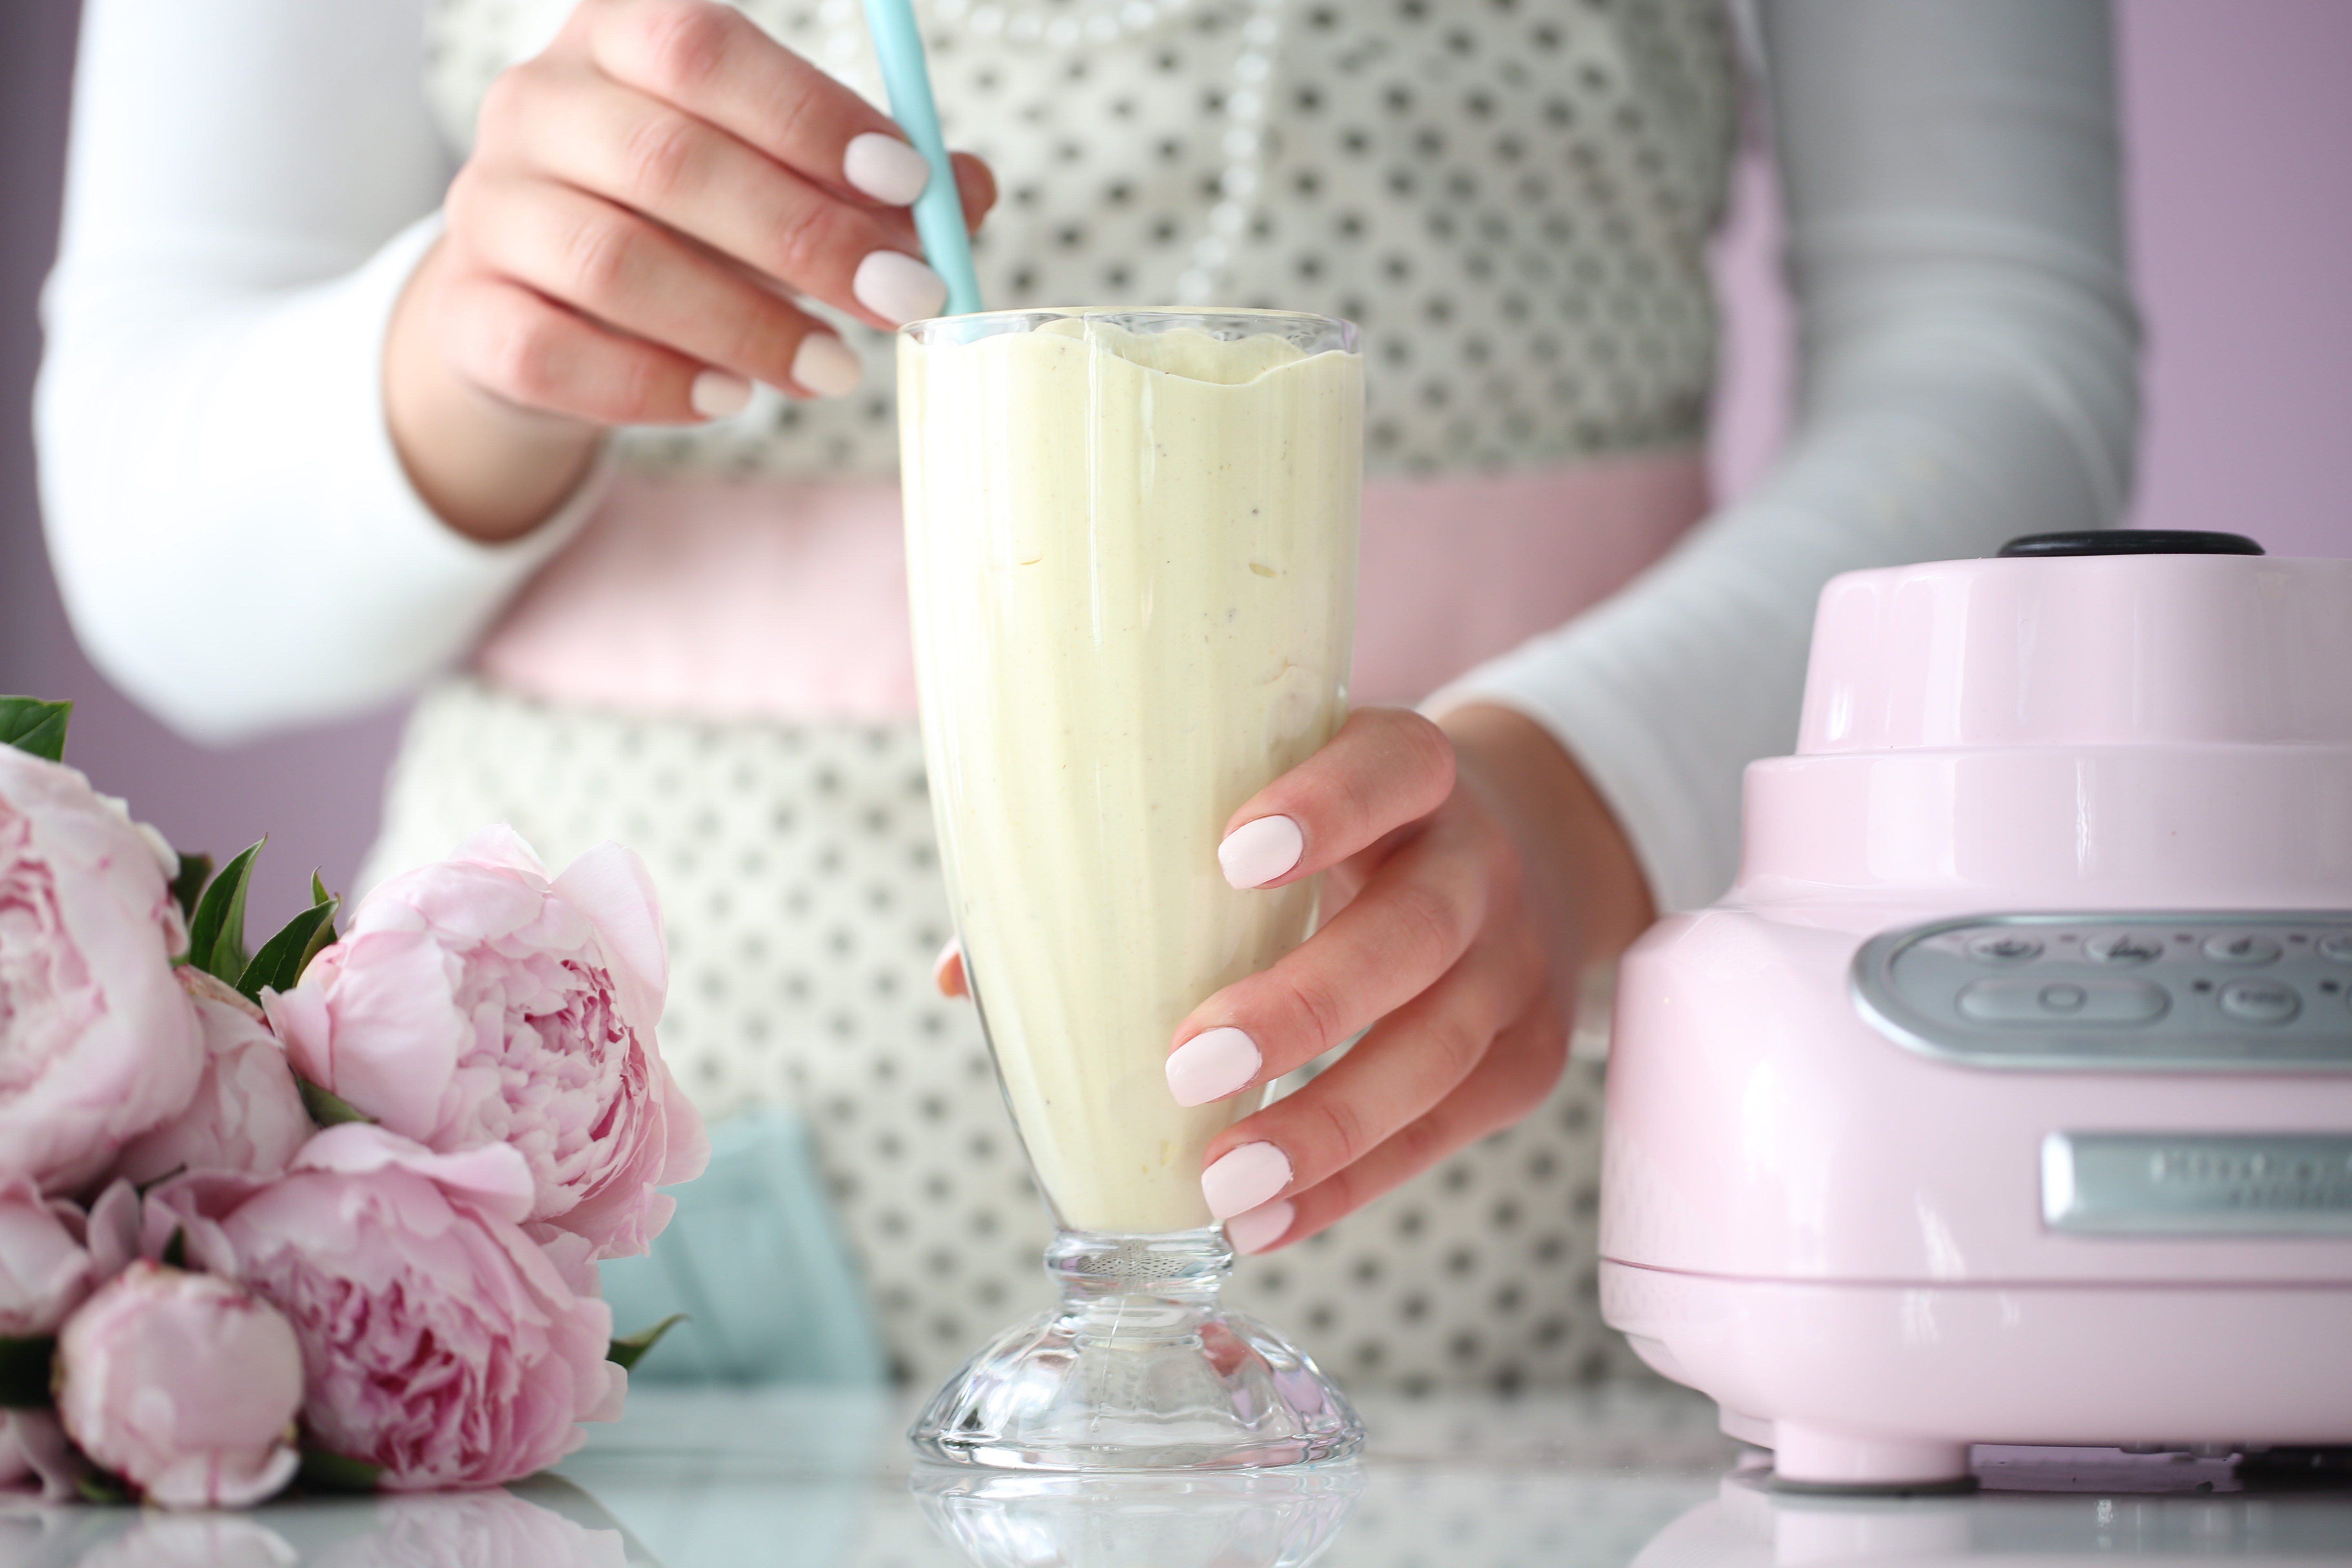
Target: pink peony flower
pixel 45 1267
pixel 35 1460
pixel 473 1002
pixel 247 1113
pixel 98 1043
pixel 441 1342
pixel 183 1384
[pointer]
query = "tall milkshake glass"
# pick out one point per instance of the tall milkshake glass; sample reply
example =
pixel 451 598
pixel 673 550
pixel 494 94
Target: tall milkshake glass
pixel 1131 548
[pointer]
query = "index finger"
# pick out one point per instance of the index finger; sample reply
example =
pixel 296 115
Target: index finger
pixel 716 64
pixel 1385 768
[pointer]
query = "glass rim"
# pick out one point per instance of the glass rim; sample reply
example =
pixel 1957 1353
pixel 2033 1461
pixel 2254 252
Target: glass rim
pixel 988 323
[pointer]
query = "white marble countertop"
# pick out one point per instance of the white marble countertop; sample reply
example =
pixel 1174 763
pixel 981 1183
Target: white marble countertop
pixel 1617 1476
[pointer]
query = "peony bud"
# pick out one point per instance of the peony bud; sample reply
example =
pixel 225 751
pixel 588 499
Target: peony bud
pixel 185 1384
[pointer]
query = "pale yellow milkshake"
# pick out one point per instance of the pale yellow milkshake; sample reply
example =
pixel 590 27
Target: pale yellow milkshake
pixel 1132 557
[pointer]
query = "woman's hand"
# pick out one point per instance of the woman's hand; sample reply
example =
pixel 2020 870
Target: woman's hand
pixel 643 203
pixel 1461 904
pixel 1471 875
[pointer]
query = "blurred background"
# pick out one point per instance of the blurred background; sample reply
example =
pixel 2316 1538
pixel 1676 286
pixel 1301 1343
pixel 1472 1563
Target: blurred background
pixel 2238 127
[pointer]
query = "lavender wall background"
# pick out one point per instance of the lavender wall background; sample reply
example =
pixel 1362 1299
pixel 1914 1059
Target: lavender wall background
pixel 2240 127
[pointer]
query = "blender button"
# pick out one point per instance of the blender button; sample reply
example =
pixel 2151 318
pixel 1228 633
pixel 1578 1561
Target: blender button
pixel 2260 1001
pixel 2003 947
pixel 2245 948
pixel 2003 1002
pixel 2338 947
pixel 2129 948
pixel 2023 1001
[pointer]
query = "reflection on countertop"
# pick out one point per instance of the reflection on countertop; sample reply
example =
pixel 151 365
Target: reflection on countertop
pixel 1749 1526
pixel 1607 1478
pixel 1274 1520
pixel 543 1522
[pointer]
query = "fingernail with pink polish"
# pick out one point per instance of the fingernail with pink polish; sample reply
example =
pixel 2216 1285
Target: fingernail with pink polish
pixel 715 395
pixel 897 287
pixel 949 961
pixel 1255 853
pixel 1211 1065
pixel 885 168
pixel 1262 1227
pixel 827 366
pixel 1246 1177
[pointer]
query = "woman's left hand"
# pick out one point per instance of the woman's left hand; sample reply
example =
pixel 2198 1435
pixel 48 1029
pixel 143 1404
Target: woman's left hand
pixel 1427 942
pixel 1470 873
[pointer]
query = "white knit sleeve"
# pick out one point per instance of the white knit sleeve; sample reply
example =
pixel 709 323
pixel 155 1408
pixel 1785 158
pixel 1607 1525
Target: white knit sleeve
pixel 1969 356
pixel 249 185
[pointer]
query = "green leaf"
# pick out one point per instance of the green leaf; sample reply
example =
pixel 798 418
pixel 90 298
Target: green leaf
pixel 102 1488
pixel 216 931
pixel 24 1371
pixel 193 870
pixel 327 1107
pixel 632 1349
pixel 324 937
pixel 176 1251
pixel 283 957
pixel 32 725
pixel 325 1472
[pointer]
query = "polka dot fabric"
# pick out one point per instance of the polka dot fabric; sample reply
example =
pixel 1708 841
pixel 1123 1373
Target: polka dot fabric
pixel 1510 196
pixel 1513 201
pixel 801 896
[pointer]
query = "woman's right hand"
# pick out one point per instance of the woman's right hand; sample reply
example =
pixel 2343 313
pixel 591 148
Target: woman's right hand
pixel 643 203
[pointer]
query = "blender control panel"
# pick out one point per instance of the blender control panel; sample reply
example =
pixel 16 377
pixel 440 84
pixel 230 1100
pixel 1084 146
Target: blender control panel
pixel 2164 992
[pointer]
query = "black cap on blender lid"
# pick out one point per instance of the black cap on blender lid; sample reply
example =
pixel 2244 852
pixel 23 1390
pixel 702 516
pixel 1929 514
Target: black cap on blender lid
pixel 2131 542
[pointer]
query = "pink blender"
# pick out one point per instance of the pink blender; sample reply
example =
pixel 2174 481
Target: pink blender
pixel 2007 1097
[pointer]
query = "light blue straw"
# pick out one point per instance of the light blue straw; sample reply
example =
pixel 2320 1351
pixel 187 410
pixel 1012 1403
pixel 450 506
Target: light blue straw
pixel 938 211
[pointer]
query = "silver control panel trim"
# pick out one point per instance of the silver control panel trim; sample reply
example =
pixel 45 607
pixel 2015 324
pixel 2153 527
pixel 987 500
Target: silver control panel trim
pixel 2136 991
pixel 2197 1184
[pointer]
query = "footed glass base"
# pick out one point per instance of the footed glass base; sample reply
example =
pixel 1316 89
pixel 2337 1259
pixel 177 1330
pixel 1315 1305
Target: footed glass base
pixel 1137 1368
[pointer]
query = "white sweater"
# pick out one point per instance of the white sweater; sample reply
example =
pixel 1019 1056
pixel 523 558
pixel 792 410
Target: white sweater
pixel 252 181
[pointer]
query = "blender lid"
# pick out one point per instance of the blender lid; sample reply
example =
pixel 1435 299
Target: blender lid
pixel 2131 542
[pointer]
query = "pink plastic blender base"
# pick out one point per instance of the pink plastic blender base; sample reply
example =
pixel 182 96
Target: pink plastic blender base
pixel 1807 1458
pixel 1842 1238
pixel 1887 1386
